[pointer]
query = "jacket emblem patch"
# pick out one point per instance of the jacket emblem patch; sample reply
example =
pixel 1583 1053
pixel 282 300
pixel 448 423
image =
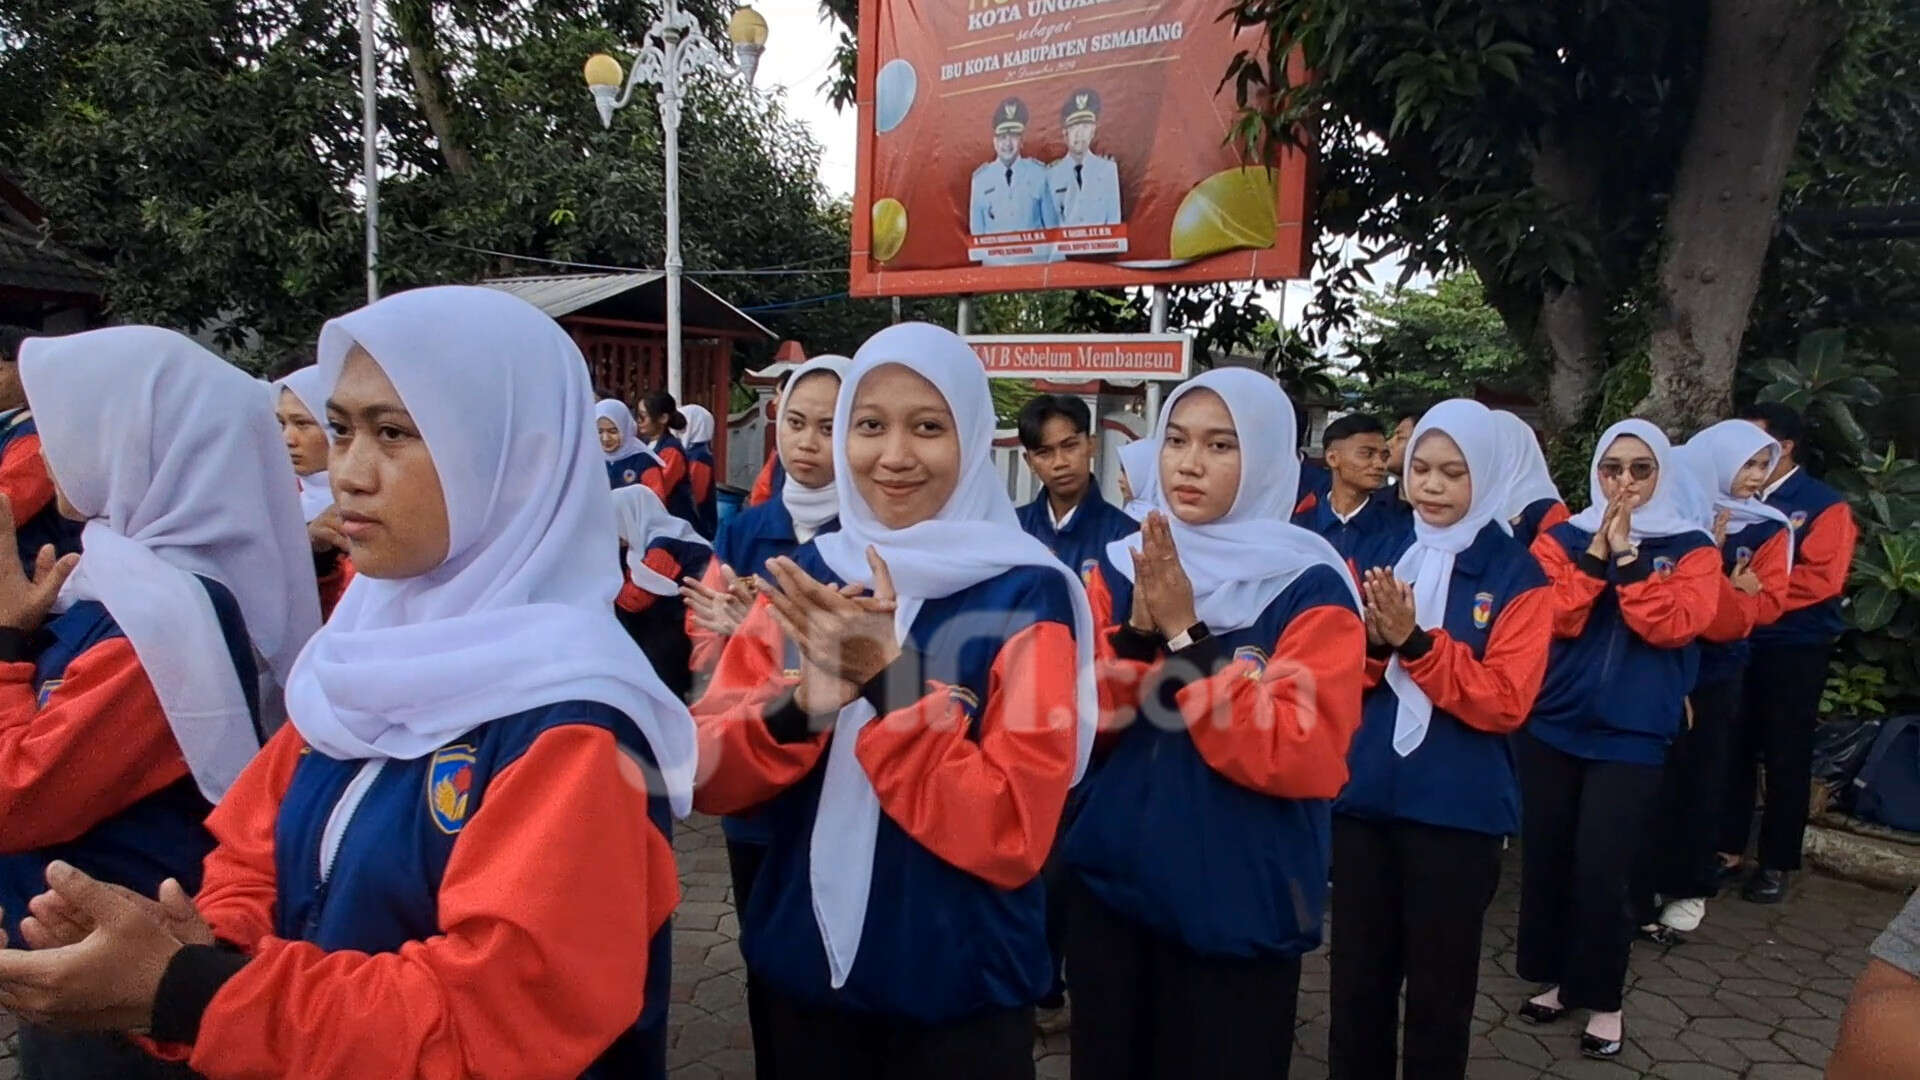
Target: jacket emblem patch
pixel 1663 566
pixel 1482 610
pixel 450 787
pixel 1254 655
pixel 46 691
pixel 1797 518
pixel 1086 571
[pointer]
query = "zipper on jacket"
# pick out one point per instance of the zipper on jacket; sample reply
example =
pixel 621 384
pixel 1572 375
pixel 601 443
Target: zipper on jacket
pixel 338 819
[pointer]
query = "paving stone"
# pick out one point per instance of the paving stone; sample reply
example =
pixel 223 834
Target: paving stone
pixel 1501 1069
pixel 1779 1071
pixel 1761 1051
pixel 1692 1070
pixel 1714 1051
pixel 1731 1027
pixel 1579 1068
pixel 1524 1049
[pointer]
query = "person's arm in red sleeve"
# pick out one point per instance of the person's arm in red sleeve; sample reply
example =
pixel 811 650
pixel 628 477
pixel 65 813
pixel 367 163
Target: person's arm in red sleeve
pixel 743 761
pixel 1732 615
pixel 1769 564
pixel 700 476
pixel 547 909
pixel 1670 610
pixel 1307 503
pixel 635 599
pixel 673 469
pixel 333 584
pixel 762 484
pixel 100 744
pixel 1121 658
pixel 237 890
pixel 1557 514
pixel 989 807
pixel 1495 692
pixel 1576 584
pixel 707 645
pixel 1283 731
pixel 1824 557
pixel 24 479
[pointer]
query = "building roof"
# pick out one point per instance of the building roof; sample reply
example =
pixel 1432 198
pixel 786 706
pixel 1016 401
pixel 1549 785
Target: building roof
pixel 28 260
pixel 638 297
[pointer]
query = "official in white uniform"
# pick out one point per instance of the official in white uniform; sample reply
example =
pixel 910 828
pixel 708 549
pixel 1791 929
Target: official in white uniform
pixel 1085 186
pixel 1010 192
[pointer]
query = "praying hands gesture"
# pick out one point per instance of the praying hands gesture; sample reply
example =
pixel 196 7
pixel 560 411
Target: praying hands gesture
pixel 1162 592
pixel 25 601
pixel 1390 607
pixel 719 611
pixel 99 952
pixel 1614 538
pixel 845 635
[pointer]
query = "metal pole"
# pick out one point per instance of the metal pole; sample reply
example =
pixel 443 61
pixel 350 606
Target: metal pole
pixel 963 317
pixel 1156 322
pixel 370 139
pixel 670 120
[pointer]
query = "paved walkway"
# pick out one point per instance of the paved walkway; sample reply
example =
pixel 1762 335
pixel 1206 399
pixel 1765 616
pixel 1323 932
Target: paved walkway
pixel 1756 994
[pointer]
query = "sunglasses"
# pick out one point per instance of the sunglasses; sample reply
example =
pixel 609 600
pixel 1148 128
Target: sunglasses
pixel 1639 470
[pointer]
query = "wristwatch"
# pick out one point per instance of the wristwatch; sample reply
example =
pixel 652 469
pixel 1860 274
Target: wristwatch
pixel 1631 553
pixel 1192 635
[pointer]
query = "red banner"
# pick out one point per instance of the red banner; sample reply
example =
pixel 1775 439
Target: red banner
pixel 1084 357
pixel 1033 144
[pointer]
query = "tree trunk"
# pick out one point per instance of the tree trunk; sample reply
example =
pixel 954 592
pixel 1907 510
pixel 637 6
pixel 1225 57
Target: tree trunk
pixel 1572 326
pixel 1757 76
pixel 425 64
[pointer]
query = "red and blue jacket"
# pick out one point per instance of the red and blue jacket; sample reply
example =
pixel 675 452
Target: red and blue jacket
pixel 672 480
pixel 1374 536
pixel 672 558
pixel 1095 524
pixel 1539 516
pixel 1316 480
pixel 498 907
pixel 1723 645
pixel 1623 657
pixel 1824 535
pixel 1481 669
pixel 91 772
pixel 773 476
pixel 700 488
pixel 971 772
pixel 26 484
pixel 1208 820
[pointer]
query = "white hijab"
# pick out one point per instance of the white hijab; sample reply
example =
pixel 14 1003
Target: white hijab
pixel 699 426
pixel 520 614
pixel 175 458
pixel 1491 452
pixel 810 508
pixel 1714 456
pixel 1136 461
pixel 975 537
pixel 1673 508
pixel 641 518
pixel 622 417
pixel 1530 480
pixel 310 388
pixel 1241 562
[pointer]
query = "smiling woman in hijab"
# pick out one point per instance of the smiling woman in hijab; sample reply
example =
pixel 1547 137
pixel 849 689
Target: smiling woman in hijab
pixel 1636 580
pixel 300 405
pixel 454 860
pixel 910 745
pixel 129 711
pixel 1457 629
pixel 1232 657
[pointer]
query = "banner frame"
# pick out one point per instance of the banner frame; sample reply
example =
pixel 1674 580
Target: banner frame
pixel 1185 341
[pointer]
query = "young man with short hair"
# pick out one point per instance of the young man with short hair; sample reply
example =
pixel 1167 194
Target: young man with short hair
pixel 1788 667
pixel 1356 516
pixel 24 479
pixel 1070 515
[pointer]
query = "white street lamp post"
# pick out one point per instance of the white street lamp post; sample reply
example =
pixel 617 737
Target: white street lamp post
pixel 672 50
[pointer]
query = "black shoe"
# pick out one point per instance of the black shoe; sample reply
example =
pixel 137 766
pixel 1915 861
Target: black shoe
pixel 1595 1047
pixel 1535 1013
pixel 1726 874
pixel 1662 935
pixel 1765 887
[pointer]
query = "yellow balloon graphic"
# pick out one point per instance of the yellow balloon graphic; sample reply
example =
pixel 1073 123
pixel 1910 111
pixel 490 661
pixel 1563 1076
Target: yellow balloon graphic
pixel 889 229
pixel 1226 211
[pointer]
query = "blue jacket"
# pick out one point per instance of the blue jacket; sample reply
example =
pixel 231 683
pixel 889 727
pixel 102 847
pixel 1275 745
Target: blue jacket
pixel 1824 535
pixel 1374 536
pixel 1724 661
pixel 1095 524
pixel 1540 514
pixel 1481 670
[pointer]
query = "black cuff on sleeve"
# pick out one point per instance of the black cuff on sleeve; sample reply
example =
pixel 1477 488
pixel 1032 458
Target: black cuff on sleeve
pixel 1418 644
pixel 1131 643
pixel 1379 651
pixel 787 722
pixel 1590 566
pixel 16 645
pixel 896 686
pixel 193 976
pixel 1637 569
pixel 1204 654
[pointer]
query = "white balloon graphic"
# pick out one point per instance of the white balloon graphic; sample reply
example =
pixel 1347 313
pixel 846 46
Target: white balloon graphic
pixel 893 94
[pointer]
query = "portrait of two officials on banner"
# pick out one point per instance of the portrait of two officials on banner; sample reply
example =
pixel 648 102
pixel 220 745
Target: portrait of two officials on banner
pixel 1014 193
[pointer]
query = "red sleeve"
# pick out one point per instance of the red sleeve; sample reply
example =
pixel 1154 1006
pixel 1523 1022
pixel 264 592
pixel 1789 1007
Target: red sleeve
pixel 989 807
pixel 1117 678
pixel 1495 692
pixel 1770 566
pixel 1557 514
pixel 632 597
pixel 23 477
pixel 1824 557
pixel 700 474
pixel 707 645
pixel 1306 503
pixel 762 484
pixel 1670 610
pixel 1732 615
pixel 100 744
pixel 1284 731
pixel 741 766
pixel 334 585
pixel 673 469
pixel 1574 590
pixel 546 912
pixel 237 891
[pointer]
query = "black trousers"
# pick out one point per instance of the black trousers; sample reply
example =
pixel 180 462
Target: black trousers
pixel 1148 1008
pixel 1581 825
pixel 1782 702
pixel 661 633
pixel 46 1054
pixel 1678 862
pixel 743 863
pixel 823 1044
pixel 1409 903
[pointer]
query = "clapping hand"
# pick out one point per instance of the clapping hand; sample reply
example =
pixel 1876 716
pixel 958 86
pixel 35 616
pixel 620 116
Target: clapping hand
pixel 1390 607
pixel 24 600
pixel 719 611
pixel 1162 592
pixel 845 635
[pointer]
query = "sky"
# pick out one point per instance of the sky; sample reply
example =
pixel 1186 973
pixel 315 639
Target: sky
pixel 799 58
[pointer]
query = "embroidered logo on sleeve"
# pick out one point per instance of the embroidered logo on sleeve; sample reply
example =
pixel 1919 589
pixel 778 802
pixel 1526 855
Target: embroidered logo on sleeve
pixel 1663 566
pixel 1743 554
pixel 1482 610
pixel 450 787
pixel 629 476
pixel 1254 655
pixel 1086 571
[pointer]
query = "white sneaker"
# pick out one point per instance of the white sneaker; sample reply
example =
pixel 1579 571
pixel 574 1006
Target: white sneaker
pixel 1684 915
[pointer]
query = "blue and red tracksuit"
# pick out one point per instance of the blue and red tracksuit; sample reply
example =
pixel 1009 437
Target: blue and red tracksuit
pixel 26 484
pixel 496 908
pixel 1481 668
pixel 1316 480
pixel 1083 542
pixel 1724 644
pixel 1375 535
pixel 674 481
pixel 773 477
pixel 700 488
pixel 672 558
pixel 1208 820
pixel 92 773
pixel 1824 535
pixel 1539 516
pixel 971 774
pixel 1623 656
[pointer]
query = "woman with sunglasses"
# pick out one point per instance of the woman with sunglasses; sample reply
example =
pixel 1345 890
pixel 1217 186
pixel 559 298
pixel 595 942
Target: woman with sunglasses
pixel 1636 578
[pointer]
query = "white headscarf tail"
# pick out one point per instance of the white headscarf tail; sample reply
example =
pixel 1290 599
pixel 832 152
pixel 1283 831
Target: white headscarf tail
pixel 975 537
pixel 810 508
pixel 699 426
pixel 175 458
pixel 1531 480
pixel 1136 461
pixel 520 615
pixel 1674 508
pixel 642 518
pixel 311 389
